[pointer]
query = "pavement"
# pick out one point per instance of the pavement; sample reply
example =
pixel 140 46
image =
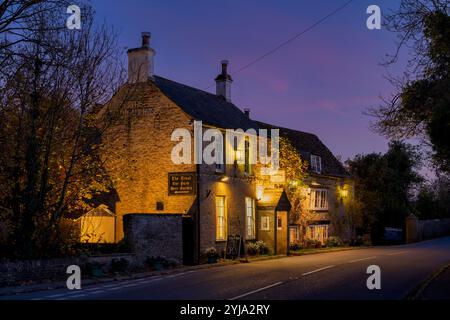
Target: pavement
pixel 334 275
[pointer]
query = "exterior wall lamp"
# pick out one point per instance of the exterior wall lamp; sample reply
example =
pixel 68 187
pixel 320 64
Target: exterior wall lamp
pixel 259 192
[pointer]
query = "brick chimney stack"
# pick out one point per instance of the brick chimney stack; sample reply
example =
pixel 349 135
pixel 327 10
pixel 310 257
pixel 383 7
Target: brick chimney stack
pixel 140 61
pixel 223 82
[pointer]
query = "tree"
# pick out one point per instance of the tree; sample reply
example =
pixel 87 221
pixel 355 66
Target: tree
pixel 383 185
pixel 296 171
pixel 52 134
pixel 15 17
pixel 421 105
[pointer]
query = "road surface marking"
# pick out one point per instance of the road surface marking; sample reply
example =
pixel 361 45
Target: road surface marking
pixel 395 253
pixel 255 291
pixel 179 274
pixel 78 295
pixel 114 288
pixel 362 259
pixel 317 270
pixel 56 295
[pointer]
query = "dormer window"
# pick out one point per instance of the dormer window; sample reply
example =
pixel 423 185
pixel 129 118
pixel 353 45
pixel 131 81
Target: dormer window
pixel 316 164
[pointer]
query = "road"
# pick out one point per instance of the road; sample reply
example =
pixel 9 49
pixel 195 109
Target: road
pixel 334 275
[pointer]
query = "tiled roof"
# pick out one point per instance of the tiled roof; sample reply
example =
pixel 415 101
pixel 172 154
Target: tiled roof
pixel 216 111
pixel 205 106
pixel 307 144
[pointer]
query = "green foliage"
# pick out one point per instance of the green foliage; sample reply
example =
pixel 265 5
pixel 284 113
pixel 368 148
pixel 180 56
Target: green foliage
pixel 383 185
pixel 211 252
pixel 312 243
pixel 333 242
pixel 258 247
pixel 433 200
pixel 422 105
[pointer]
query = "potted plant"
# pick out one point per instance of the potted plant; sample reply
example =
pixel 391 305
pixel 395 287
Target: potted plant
pixel 211 254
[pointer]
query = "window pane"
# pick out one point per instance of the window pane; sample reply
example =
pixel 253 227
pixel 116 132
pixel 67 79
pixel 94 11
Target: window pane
pixel 220 218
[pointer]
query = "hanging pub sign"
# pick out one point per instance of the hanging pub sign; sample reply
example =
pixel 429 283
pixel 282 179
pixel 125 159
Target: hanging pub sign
pixel 182 183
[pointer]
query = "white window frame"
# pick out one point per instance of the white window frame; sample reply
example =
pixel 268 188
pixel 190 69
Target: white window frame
pixel 220 157
pixel 316 163
pixel 265 223
pixel 296 232
pixel 250 213
pixel 320 203
pixel 221 221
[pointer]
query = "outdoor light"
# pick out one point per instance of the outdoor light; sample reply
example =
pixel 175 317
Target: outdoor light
pixel 224 179
pixel 259 192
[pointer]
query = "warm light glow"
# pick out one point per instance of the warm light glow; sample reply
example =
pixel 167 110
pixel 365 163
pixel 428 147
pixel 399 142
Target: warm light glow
pixel 259 192
pixel 344 193
pixel 224 179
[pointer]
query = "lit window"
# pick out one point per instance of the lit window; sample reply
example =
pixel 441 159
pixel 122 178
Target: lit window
pixel 294 234
pixel 250 217
pixel 316 164
pixel 265 226
pixel 247 167
pixel 220 159
pixel 318 199
pixel 318 232
pixel 221 219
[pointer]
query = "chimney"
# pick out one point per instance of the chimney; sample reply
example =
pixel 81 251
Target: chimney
pixel 223 82
pixel 140 61
pixel 247 112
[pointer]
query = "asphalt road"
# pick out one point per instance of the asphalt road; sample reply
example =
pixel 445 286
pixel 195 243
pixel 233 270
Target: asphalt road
pixel 336 275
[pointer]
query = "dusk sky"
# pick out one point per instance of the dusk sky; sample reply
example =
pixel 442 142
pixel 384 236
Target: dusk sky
pixel 322 82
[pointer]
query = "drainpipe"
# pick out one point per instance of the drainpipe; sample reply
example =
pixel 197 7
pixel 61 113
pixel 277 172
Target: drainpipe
pixel 275 225
pixel 197 222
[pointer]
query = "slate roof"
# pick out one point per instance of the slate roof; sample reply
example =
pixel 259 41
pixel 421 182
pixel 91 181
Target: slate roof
pixel 307 144
pixel 216 111
pixel 207 107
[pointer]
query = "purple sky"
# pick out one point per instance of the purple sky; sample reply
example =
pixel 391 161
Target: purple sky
pixel 321 83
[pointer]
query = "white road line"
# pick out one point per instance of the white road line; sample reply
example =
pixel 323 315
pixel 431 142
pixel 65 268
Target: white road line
pixel 395 253
pixel 317 270
pixel 57 295
pixel 179 274
pixel 78 295
pixel 362 259
pixel 255 291
pixel 114 288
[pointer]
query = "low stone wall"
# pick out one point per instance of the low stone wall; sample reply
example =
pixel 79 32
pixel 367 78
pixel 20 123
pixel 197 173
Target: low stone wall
pixel 434 228
pixel 418 230
pixel 45 270
pixel 155 235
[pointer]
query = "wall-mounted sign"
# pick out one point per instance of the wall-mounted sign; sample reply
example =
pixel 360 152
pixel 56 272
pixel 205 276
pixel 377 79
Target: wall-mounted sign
pixel 182 183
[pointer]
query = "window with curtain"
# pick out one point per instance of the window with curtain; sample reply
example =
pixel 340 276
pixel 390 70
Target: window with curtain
pixel 250 217
pixel 221 219
pixel 318 199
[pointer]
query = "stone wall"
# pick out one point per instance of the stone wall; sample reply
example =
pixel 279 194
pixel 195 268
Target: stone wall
pixel 418 230
pixel 137 152
pixel 155 235
pixel 44 270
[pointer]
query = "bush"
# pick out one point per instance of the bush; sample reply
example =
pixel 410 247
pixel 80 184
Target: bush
pixel 252 249
pixel 312 243
pixel 333 242
pixel 294 246
pixel 211 252
pixel 262 247
pixel 356 242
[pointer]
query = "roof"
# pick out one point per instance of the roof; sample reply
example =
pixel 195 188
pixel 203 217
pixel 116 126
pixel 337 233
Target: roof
pixel 307 143
pixel 207 107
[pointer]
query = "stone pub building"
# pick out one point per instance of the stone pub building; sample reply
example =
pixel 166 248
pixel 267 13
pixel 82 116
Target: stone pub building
pixel 180 210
